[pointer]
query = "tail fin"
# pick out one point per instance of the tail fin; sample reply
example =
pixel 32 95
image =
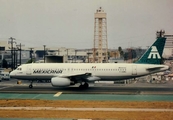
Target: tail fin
pixel 154 54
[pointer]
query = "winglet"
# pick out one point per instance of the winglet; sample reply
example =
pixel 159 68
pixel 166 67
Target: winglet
pixel 154 54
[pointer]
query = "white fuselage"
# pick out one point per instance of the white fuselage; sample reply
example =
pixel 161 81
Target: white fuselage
pixel 105 71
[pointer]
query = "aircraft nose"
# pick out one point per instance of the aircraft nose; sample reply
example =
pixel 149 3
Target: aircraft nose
pixel 12 74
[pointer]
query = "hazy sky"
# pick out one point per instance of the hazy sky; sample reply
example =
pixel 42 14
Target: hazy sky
pixel 70 23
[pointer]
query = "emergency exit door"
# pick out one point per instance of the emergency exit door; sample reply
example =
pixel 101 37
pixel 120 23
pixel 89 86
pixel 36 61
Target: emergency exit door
pixel 29 70
pixel 134 70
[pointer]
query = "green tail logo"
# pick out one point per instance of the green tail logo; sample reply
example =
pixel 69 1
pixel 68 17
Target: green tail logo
pixel 154 54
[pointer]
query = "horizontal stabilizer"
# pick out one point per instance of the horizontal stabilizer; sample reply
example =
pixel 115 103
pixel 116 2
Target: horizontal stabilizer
pixel 154 68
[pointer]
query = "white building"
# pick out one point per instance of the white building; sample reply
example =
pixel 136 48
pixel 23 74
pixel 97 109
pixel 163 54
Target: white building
pixel 168 50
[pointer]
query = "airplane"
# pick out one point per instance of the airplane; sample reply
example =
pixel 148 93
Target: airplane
pixel 67 74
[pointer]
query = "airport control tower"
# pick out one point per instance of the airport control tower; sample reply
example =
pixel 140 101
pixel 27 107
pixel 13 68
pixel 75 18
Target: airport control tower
pixel 100 50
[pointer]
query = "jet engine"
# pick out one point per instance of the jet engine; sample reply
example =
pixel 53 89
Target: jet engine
pixel 60 82
pixel 93 78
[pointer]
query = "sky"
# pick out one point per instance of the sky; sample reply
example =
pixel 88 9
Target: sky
pixel 70 23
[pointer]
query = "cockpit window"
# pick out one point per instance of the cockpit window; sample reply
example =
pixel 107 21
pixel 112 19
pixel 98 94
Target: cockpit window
pixel 19 68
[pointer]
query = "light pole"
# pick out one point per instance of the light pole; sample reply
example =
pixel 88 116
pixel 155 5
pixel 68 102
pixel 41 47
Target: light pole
pixel 75 55
pixel 11 42
pixel 20 50
pixel 58 51
pixel 44 51
pixel 31 51
pixel 67 54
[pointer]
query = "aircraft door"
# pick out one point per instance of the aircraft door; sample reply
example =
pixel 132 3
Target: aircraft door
pixel 134 70
pixel 29 70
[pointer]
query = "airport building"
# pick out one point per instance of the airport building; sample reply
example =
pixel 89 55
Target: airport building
pixel 168 50
pixel 52 54
pixel 5 46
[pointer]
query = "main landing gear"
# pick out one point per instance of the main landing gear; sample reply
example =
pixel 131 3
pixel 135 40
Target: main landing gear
pixel 31 86
pixel 84 86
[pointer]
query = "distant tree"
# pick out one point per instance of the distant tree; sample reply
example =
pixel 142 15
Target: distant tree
pixel 125 56
pixel 133 52
pixel 121 52
pixel 130 54
pixel 30 61
pixel 119 49
pixel 108 54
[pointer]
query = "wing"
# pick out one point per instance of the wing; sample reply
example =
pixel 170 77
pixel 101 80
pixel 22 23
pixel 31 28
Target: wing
pixel 80 75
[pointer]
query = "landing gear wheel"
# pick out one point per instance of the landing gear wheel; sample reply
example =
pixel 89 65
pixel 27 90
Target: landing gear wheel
pixel 30 86
pixel 84 86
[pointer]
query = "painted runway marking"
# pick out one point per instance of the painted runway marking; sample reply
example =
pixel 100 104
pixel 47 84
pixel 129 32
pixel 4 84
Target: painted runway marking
pixel 5 87
pixel 36 96
pixel 18 95
pixel 57 94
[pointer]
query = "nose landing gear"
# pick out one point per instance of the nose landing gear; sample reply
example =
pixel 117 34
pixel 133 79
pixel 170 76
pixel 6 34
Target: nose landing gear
pixel 31 86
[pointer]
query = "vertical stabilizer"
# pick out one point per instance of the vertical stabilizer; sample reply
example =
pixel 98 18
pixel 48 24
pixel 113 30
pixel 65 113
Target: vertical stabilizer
pixel 154 54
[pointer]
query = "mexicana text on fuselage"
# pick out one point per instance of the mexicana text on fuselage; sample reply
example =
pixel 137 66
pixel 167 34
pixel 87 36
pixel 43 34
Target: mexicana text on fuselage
pixel 46 71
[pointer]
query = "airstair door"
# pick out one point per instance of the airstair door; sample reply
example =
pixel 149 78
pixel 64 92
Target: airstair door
pixel 134 70
pixel 29 70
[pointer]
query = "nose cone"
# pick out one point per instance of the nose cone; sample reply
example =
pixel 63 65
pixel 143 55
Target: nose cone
pixel 12 74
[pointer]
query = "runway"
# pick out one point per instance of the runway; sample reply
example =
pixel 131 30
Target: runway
pixel 103 92
pixel 99 88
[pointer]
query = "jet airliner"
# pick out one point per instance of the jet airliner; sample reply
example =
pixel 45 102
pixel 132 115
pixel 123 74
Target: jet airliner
pixel 67 74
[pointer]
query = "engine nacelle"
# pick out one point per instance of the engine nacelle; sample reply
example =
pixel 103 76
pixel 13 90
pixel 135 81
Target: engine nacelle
pixel 93 78
pixel 60 82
